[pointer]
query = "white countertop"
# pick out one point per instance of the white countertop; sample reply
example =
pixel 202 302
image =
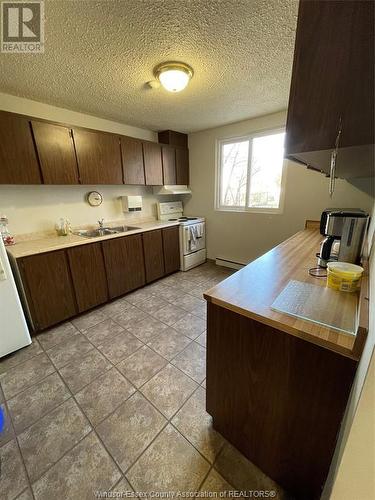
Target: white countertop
pixel 51 243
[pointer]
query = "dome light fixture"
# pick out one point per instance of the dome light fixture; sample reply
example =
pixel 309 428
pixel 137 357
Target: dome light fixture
pixel 174 76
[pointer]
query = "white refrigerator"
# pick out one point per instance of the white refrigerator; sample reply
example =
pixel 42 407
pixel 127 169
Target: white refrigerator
pixel 14 333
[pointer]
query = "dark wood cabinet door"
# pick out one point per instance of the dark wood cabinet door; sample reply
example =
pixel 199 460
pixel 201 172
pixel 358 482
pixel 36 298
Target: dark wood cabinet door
pixel 182 166
pixel 332 87
pixel 99 157
pixel 48 288
pixel 56 153
pixel 169 165
pixel 18 158
pixel 88 274
pixel 171 246
pixel 153 165
pixel 132 161
pixel 124 264
pixel 153 252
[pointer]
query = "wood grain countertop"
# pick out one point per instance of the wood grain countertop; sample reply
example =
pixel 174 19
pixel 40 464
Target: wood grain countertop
pixel 252 290
pixel 51 243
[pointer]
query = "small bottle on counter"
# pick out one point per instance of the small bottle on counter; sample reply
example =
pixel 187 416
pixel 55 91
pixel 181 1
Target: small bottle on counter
pixel 63 227
pixel 6 235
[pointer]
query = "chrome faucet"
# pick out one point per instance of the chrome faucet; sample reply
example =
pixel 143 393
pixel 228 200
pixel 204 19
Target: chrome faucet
pixel 101 223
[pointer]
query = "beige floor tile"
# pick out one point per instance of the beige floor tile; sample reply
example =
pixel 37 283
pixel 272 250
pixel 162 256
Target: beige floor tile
pixel 203 384
pixel 192 361
pixel 172 464
pixel 47 440
pixel 85 469
pixel 148 328
pixel 103 332
pixel 242 473
pixel 130 429
pixel 170 314
pixel 20 356
pixel 91 318
pixel 129 317
pixel 116 307
pixel 152 304
pixel 216 483
pixel 139 296
pixel 202 339
pixel 7 432
pixel 200 311
pixel 70 351
pixel 56 335
pixel 188 302
pixel 25 375
pixel 121 488
pixel 120 347
pixel 185 285
pixel 190 325
pixel 141 366
pixel 169 293
pixel 77 375
pixel 169 343
pixel 195 424
pixel 26 495
pixel 27 407
pixel 98 399
pixel 168 390
pixel 13 476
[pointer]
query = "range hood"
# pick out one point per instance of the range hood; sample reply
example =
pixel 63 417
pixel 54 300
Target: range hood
pixel 169 189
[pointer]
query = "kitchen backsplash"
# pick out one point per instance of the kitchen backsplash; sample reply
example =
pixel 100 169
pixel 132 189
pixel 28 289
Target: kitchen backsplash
pixel 36 209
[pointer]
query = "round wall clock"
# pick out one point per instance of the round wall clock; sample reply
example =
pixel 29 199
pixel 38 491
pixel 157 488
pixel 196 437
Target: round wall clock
pixel 94 198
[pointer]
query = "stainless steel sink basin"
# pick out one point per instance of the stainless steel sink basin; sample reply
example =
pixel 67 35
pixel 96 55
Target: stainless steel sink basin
pixel 105 231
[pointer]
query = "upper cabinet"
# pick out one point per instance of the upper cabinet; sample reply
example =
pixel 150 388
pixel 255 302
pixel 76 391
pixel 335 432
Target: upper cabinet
pixel 169 165
pixel 132 161
pixel 99 157
pixel 153 164
pixel 18 158
pixel 331 99
pixel 56 153
pixel 182 166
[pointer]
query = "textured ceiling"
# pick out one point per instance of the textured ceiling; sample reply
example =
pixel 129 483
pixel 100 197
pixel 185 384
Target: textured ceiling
pixel 99 54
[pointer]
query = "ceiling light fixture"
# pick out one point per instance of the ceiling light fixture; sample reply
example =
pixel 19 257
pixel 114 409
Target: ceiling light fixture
pixel 174 76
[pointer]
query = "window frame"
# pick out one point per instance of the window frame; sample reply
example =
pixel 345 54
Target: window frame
pixel 246 208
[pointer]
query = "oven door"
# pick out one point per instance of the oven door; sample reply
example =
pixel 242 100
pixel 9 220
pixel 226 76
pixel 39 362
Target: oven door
pixel 190 243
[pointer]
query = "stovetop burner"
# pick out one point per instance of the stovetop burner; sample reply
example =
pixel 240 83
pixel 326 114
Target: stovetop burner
pixel 182 219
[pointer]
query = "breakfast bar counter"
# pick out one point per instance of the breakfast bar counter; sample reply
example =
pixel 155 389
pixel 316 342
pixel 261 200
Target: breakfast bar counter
pixel 277 386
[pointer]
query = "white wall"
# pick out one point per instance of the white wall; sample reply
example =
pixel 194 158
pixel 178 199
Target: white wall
pixel 241 237
pixel 37 208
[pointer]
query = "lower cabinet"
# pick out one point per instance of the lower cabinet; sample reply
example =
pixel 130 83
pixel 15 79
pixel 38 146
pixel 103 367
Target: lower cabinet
pixel 48 287
pixel 89 275
pixel 171 247
pixel 124 264
pixel 154 255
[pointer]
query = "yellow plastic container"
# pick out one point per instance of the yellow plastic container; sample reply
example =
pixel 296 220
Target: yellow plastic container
pixel 343 276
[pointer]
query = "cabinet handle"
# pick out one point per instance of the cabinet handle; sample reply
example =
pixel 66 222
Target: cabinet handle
pixel 332 173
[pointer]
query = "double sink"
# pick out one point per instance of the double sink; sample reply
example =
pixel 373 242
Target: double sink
pixel 103 231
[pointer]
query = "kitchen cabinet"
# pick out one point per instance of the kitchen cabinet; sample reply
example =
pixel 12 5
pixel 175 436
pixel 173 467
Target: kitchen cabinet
pixel 153 252
pixel 132 161
pixel 171 247
pixel 48 287
pixel 124 264
pixel 182 166
pixel 56 153
pixel 168 155
pixel 332 88
pixel 18 158
pixel 99 157
pixel 89 275
pixel 153 164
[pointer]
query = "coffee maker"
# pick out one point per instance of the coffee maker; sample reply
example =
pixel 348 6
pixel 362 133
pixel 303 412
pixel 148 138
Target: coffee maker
pixel 344 231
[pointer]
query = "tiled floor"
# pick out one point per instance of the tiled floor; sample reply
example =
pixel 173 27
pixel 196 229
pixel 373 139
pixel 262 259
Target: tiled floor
pixel 115 401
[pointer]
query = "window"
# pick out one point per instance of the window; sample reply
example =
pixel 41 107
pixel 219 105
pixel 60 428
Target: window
pixel 250 173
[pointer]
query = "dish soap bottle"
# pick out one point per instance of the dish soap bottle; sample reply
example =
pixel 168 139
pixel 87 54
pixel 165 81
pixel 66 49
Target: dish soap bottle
pixel 63 228
pixel 7 237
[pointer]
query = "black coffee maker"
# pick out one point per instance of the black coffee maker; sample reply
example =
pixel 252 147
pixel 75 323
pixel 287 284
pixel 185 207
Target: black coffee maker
pixel 344 230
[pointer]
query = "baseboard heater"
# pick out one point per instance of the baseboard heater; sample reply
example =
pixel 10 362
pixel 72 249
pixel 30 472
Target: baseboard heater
pixel 229 263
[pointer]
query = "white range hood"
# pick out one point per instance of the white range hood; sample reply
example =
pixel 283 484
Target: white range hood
pixel 169 189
